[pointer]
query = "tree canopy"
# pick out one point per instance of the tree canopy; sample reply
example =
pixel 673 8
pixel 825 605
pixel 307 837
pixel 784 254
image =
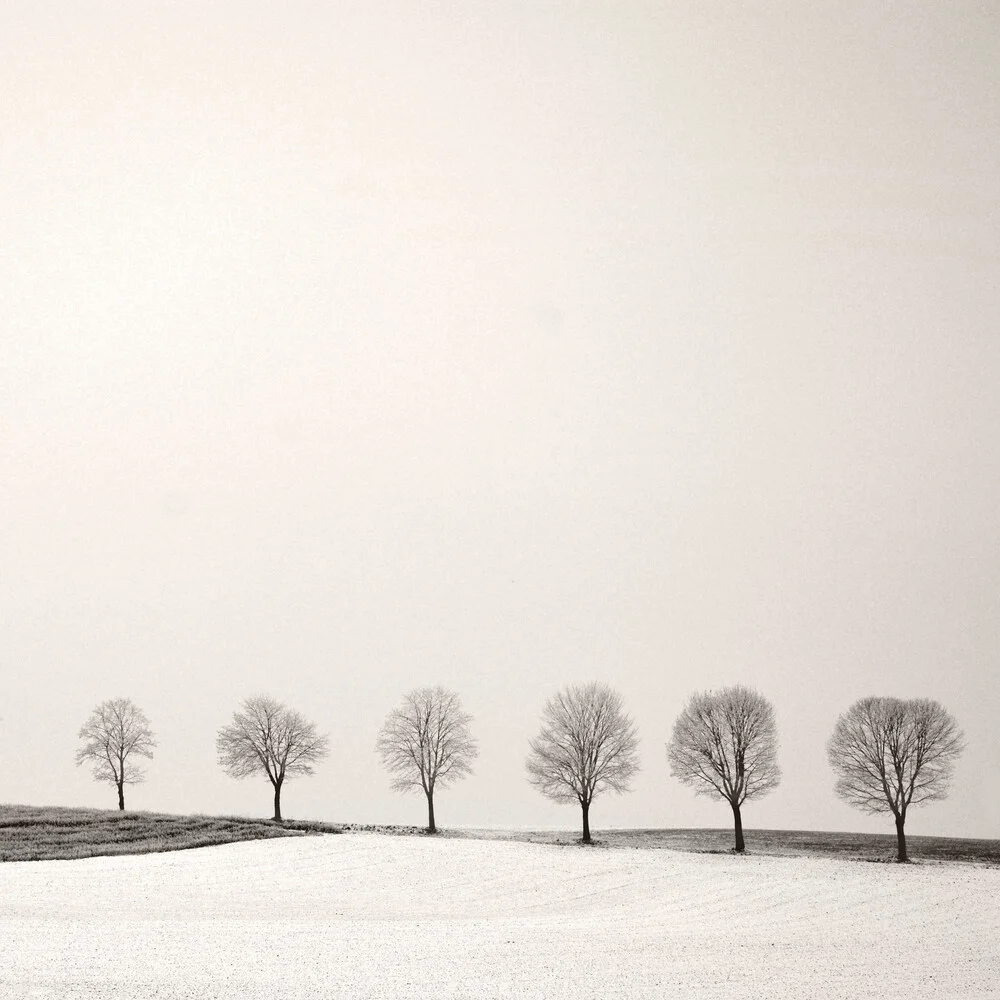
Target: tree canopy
pixel 725 744
pixel 587 744
pixel 425 743
pixel 266 737
pixel 115 735
pixel 889 753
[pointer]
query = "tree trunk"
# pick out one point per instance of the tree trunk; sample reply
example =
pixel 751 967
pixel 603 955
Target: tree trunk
pixel 277 802
pixel 586 822
pixel 900 840
pixel 431 828
pixel 738 826
pixel 121 795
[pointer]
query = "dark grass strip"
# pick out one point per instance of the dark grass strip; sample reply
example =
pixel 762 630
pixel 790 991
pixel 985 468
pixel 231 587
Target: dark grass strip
pixel 45 834
pixel 791 843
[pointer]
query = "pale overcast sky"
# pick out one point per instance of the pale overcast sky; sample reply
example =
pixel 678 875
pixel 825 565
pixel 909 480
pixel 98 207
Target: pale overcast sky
pixel 352 347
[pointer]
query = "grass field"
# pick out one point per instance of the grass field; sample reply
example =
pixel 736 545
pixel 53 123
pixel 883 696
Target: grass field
pixel 787 843
pixel 31 833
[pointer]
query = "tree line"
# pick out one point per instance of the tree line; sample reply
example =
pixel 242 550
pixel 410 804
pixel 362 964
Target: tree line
pixel 887 754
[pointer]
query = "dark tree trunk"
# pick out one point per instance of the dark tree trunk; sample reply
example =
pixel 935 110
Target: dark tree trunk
pixel 900 840
pixel 586 822
pixel 738 826
pixel 121 795
pixel 431 828
pixel 277 802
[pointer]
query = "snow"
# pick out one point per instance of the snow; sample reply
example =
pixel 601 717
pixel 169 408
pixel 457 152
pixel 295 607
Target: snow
pixel 380 916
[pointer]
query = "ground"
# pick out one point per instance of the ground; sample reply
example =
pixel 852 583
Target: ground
pixel 370 915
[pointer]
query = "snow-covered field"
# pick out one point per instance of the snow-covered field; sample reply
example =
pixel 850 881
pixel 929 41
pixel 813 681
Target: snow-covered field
pixel 381 916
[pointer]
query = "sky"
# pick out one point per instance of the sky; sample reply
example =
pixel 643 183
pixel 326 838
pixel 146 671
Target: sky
pixel 349 348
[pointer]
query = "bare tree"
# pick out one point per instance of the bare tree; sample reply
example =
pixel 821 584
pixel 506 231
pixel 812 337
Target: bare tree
pixel 268 738
pixel 116 733
pixel 889 754
pixel 425 743
pixel 725 744
pixel 587 744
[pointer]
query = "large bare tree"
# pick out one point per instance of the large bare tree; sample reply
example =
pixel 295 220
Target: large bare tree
pixel 587 744
pixel 725 744
pixel 115 735
pixel 425 744
pixel 889 754
pixel 265 737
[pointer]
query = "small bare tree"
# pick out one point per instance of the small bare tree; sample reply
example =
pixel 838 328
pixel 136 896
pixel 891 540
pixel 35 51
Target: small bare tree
pixel 268 738
pixel 889 754
pixel 725 744
pixel 116 733
pixel 587 744
pixel 425 744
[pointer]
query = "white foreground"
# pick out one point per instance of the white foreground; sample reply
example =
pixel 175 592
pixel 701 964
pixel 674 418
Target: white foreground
pixel 379 916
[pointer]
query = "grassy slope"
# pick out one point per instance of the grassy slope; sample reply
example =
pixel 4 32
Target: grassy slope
pixel 29 833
